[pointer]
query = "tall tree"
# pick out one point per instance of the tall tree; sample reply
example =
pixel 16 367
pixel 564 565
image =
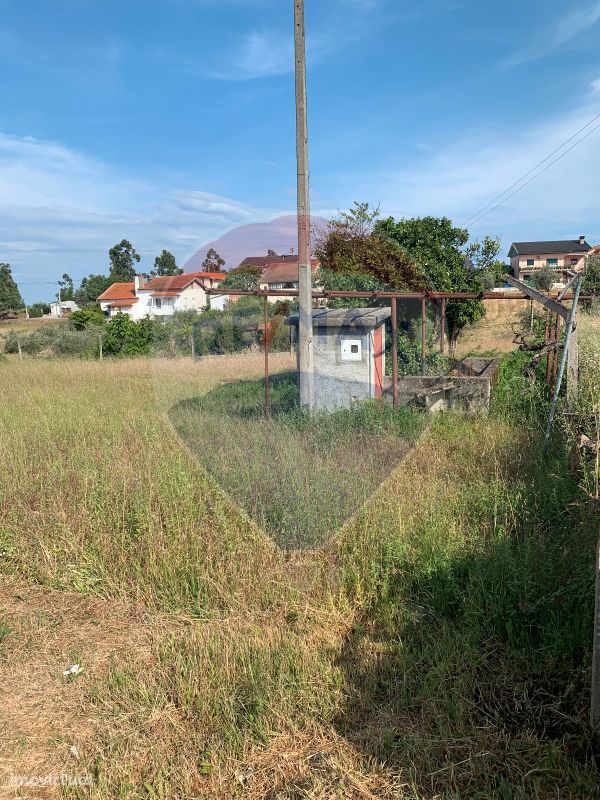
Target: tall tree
pixel 244 277
pixel 351 250
pixel 436 245
pixel 484 258
pixel 10 297
pixel 90 289
pixel 122 261
pixel 213 262
pixel 165 264
pixel 66 287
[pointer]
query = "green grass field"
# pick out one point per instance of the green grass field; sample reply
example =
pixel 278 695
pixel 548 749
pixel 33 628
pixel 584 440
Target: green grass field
pixel 436 645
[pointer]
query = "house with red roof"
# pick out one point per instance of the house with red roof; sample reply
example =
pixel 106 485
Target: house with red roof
pixel 283 274
pixel 160 296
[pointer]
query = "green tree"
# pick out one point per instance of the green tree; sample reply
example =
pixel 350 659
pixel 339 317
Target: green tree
pixel 165 264
pixel 591 277
pixel 246 277
pixel 213 262
pixel 271 253
pixel 123 258
pixel 544 278
pixel 436 246
pixel 66 287
pixel 483 256
pixel 350 245
pixel 37 310
pixel 90 289
pixel 10 296
pixel 85 317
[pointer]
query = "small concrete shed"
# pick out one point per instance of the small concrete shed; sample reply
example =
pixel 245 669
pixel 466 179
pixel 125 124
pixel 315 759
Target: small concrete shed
pixel 348 353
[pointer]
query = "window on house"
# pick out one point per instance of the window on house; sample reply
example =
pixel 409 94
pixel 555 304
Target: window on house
pixel 158 302
pixel 552 262
pixel 530 262
pixel 573 262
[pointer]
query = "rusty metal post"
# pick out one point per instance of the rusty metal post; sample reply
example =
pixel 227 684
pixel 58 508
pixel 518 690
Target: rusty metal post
pixel 547 335
pixel 443 327
pixel 556 359
pixel 394 352
pixel 266 348
pixel 423 335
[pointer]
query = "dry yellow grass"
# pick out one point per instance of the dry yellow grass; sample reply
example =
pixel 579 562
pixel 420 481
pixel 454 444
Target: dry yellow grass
pixel 381 665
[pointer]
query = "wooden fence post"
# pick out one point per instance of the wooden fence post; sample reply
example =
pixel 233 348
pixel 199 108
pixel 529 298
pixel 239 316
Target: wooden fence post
pixel 19 348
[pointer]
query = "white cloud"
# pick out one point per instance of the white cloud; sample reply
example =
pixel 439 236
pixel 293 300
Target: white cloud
pixel 258 55
pixel 576 22
pixel 595 86
pixel 458 178
pixel 61 210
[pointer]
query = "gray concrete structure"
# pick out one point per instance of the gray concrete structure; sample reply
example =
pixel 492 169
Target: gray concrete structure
pixel 467 387
pixel 348 355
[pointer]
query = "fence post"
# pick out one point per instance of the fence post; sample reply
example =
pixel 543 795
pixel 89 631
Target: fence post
pixel 193 345
pixel 423 336
pixel 100 351
pixel 573 370
pixel 394 351
pixel 19 348
pixel 443 327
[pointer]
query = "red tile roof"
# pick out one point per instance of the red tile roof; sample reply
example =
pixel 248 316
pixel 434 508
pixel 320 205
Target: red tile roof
pixel 122 303
pixel 284 272
pixel 176 283
pixel 119 291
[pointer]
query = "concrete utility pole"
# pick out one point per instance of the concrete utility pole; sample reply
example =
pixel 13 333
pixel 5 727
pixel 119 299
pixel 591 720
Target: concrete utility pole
pixel 305 331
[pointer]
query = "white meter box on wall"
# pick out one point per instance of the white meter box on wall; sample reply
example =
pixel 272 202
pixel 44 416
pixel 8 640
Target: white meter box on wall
pixel 351 350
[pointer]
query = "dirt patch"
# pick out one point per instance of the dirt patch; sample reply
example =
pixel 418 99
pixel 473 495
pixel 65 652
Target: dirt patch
pixel 310 764
pixel 45 721
pixel 494 332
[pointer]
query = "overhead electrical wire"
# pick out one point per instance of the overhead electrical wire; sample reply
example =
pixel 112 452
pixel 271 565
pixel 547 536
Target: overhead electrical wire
pixel 486 209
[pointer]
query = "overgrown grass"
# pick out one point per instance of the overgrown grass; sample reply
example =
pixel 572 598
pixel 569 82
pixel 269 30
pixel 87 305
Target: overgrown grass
pixel 443 635
pixel 298 476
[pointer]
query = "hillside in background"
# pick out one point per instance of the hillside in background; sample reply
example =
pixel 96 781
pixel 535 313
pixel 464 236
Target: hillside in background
pixel 251 240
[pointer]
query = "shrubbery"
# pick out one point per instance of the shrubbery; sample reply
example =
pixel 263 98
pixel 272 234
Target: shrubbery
pixel 233 330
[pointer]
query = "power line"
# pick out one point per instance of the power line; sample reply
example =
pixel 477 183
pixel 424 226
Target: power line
pixel 472 219
pixel 537 175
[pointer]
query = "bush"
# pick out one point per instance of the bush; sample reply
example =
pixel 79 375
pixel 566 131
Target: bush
pixel 84 317
pixel 124 337
pixel 544 279
pixel 38 310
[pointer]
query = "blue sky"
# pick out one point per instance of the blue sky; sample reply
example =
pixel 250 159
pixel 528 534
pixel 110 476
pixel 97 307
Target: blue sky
pixel 169 122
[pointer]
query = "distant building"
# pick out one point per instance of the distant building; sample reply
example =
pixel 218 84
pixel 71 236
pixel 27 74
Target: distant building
pixel 63 309
pixel 160 296
pixel 280 275
pixel 265 261
pixel 567 254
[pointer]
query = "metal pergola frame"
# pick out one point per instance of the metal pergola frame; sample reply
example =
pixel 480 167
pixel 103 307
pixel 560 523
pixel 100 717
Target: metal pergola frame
pixel 526 293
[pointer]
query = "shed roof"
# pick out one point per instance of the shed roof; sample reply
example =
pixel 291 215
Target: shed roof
pixel 345 317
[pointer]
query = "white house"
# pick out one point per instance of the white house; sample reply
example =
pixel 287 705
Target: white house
pixel 64 307
pixel 161 296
